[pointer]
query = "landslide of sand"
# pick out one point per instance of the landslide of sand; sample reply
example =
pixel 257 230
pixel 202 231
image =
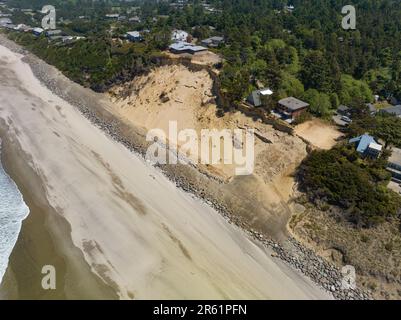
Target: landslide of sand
pixel 174 93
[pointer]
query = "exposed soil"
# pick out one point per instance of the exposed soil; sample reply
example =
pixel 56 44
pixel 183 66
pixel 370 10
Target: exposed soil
pixel 319 133
pixel 375 253
pixel 174 93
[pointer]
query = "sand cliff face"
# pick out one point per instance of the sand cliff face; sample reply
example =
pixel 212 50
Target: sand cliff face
pixel 174 93
pixel 137 232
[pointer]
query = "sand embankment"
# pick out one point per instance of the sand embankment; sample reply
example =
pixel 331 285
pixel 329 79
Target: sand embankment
pixel 175 93
pixel 135 230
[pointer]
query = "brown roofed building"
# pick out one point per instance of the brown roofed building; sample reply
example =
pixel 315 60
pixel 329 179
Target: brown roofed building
pixel 292 107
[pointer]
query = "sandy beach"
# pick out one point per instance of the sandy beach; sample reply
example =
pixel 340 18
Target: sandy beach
pixel 111 224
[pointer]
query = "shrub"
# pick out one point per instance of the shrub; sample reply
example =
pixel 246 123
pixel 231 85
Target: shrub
pixel 341 178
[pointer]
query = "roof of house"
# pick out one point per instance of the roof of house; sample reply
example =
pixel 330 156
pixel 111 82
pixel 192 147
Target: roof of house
pixel 23 27
pixel 395 157
pixel 342 108
pixel 4 21
pixel 208 41
pixel 395 110
pixel 185 46
pixel 215 38
pixel 265 92
pixel 10 26
pixel 365 141
pixel 254 97
pixel 375 146
pixel 135 34
pixel 52 38
pixel 53 32
pixel 179 35
pixel 38 30
pixel 293 104
pixel 67 38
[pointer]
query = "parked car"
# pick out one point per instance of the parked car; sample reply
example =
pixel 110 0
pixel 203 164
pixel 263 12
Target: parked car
pixel 346 119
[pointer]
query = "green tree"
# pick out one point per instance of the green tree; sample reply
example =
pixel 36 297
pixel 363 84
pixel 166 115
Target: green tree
pixel 315 72
pixel 320 104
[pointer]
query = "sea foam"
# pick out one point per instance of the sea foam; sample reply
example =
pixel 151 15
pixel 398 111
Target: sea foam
pixel 13 211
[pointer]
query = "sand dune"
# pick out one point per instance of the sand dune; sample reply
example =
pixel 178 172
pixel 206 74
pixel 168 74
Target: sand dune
pixel 137 231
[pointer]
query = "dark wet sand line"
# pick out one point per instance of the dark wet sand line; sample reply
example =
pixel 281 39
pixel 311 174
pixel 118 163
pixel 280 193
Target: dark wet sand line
pixel 45 239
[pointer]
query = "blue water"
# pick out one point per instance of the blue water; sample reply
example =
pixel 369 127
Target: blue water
pixel 13 211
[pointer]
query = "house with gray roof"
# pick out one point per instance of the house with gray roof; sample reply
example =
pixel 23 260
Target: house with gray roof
pixel 394 110
pixel 292 107
pixel 212 42
pixel 134 36
pixel 179 36
pixel 135 19
pixel 185 47
pixel 5 21
pixel 53 33
pixel 112 16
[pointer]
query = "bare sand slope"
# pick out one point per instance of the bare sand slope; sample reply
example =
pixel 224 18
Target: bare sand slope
pixel 175 93
pixel 191 104
pixel 319 133
pixel 137 231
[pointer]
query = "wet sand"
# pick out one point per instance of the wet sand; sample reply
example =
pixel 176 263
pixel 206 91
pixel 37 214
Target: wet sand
pixel 45 239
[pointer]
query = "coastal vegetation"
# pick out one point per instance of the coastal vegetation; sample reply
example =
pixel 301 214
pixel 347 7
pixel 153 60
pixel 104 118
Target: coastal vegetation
pixel 95 62
pixel 306 49
pixel 300 52
pixel 342 178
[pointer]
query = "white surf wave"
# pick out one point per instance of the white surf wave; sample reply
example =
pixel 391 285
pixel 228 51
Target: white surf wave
pixel 13 211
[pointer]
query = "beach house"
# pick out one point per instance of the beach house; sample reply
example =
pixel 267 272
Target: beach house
pixel 135 19
pixel 258 98
pixel 291 108
pixel 367 146
pixel 53 33
pixel 134 36
pixel 179 36
pixel 394 110
pixel 37 31
pixel 185 47
pixel 5 21
pixel 112 16
pixel 212 42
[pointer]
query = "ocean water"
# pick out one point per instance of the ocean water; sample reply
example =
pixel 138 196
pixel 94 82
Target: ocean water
pixel 13 211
